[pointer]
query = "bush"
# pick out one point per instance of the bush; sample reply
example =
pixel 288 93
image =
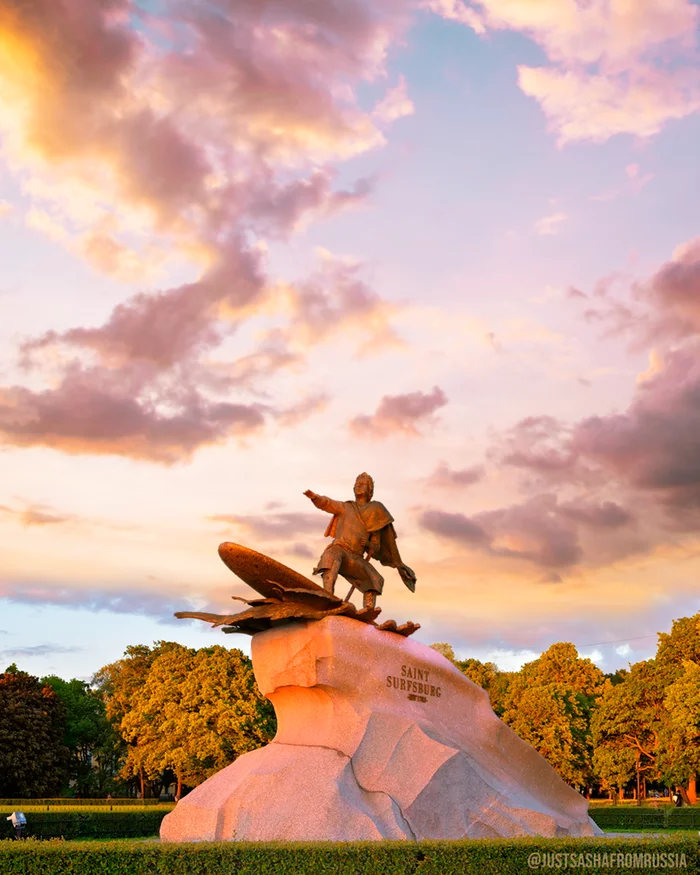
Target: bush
pixel 14 804
pixel 89 824
pixel 476 857
pixel 646 818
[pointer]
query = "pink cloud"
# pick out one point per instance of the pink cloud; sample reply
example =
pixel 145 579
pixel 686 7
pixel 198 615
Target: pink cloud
pixel 37 515
pixel 199 133
pixel 98 411
pixel 399 414
pixel 148 601
pixel 167 327
pixel 445 477
pixel 272 526
pixel 655 445
pixel 614 67
pixel 336 299
pixel 550 225
pixel 541 531
pixel 603 515
pixel 395 104
pixel 581 106
pixel 663 308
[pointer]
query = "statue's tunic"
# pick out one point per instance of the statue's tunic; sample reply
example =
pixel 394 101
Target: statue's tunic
pixel 354 528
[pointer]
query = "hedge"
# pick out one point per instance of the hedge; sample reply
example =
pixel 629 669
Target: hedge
pixel 646 818
pixel 475 857
pixel 14 804
pixel 88 824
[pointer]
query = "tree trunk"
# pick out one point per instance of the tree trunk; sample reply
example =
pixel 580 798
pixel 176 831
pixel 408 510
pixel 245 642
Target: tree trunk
pixel 692 791
pixel 179 789
pixel 143 784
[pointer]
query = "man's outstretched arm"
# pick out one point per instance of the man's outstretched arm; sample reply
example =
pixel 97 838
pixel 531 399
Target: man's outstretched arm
pixel 322 502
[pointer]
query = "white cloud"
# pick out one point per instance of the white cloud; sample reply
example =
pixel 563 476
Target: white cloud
pixel 595 656
pixel 549 225
pixel 512 660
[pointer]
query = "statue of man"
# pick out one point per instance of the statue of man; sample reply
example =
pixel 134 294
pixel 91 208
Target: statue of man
pixel 358 527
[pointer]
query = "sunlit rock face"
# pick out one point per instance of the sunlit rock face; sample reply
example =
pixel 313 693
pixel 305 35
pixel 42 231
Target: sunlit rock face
pixel 378 737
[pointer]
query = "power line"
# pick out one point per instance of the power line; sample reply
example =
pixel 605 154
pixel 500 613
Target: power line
pixel 620 641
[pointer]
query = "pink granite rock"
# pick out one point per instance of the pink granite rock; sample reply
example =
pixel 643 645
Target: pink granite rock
pixel 378 737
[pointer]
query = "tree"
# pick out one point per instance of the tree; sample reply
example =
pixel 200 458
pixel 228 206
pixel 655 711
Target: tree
pixel 550 704
pixel 33 756
pixel 445 649
pixel 614 766
pixel 117 684
pixel 194 712
pixel 628 719
pixel 679 755
pixel 89 736
pixel 675 650
pixel 552 719
pixel 488 676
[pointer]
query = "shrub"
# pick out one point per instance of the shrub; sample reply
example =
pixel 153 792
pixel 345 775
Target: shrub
pixel 668 817
pixel 14 804
pixel 485 857
pixel 89 824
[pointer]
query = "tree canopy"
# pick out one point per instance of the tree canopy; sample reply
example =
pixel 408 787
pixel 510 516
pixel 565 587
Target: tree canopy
pixel 33 755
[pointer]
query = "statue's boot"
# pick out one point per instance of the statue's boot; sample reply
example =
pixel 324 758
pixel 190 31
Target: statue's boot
pixel 330 575
pixel 369 600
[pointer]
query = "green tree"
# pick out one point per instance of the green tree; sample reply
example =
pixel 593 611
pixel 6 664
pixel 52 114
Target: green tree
pixel 614 766
pixel 117 684
pixel 627 724
pixel 88 736
pixel 679 755
pixel 33 756
pixel 676 649
pixel 445 649
pixel 550 703
pixel 194 713
pixel 488 676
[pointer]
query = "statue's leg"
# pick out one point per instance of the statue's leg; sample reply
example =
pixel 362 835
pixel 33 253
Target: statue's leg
pixel 369 600
pixel 330 575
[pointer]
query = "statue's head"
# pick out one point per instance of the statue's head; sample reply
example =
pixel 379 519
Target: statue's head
pixel 364 485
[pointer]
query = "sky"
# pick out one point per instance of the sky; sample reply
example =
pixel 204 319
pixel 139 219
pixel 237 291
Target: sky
pixel 254 247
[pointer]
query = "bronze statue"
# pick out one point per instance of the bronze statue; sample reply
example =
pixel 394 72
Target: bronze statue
pixel 358 527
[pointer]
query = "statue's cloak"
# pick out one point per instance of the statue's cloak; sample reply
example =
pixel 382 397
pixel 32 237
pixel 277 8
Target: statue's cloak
pixel 376 519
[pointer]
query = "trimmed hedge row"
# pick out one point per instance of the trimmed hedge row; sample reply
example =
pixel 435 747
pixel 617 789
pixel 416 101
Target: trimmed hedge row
pixel 141 823
pixel 475 857
pixel 15 804
pixel 89 824
pixel 646 818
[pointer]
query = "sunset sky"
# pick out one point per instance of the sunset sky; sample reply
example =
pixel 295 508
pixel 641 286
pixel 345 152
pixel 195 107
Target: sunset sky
pixel 253 247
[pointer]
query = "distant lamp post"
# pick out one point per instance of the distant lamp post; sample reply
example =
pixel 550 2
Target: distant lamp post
pixel 19 822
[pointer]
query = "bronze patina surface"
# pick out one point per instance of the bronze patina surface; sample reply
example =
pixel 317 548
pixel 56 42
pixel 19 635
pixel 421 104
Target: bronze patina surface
pixel 361 530
pixel 287 596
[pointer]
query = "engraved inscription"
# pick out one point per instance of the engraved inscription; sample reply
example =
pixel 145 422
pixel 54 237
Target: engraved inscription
pixel 416 682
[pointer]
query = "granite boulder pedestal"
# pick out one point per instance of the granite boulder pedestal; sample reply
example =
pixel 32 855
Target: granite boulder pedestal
pixel 379 737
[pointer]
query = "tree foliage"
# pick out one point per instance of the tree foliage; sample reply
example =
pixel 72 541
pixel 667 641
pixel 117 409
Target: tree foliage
pixel 487 675
pixel 550 704
pixel 89 737
pixel 189 711
pixel 33 755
